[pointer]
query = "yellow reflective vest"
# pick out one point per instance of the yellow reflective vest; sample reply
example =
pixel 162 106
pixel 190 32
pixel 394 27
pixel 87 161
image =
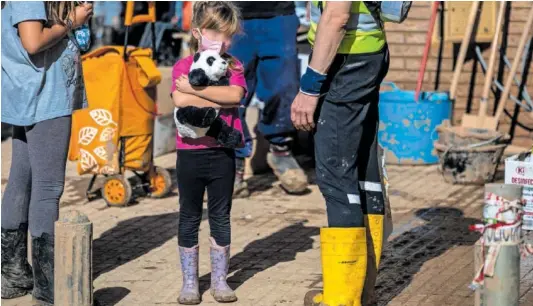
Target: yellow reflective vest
pixel 363 33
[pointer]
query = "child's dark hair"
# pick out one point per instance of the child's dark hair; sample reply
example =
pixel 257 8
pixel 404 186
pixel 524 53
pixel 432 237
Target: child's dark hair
pixel 221 16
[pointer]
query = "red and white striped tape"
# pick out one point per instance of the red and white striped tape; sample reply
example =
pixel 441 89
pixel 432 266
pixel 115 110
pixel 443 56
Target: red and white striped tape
pixel 505 217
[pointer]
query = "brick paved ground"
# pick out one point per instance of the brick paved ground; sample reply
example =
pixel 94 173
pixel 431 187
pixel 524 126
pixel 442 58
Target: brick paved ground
pixel 429 260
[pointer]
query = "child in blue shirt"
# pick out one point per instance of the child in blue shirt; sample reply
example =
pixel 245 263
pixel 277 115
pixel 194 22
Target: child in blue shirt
pixel 42 84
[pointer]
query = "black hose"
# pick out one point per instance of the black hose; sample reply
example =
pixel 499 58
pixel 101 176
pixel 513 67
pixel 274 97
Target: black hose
pixel 472 86
pixel 441 45
pixel 518 123
pixel 503 51
pixel 523 82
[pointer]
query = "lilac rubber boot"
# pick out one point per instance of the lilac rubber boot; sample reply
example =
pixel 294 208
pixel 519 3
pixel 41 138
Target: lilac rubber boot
pixel 219 271
pixel 190 292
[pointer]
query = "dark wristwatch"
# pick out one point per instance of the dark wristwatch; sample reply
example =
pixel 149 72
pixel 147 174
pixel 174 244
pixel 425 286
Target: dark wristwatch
pixel 70 25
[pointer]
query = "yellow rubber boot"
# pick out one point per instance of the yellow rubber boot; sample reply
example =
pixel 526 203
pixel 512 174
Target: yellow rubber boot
pixel 374 225
pixel 344 259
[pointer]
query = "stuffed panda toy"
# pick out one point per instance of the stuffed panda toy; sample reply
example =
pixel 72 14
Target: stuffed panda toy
pixel 208 69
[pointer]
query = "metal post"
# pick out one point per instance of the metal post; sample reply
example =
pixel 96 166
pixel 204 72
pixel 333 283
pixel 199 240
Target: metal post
pixel 73 284
pixel 503 288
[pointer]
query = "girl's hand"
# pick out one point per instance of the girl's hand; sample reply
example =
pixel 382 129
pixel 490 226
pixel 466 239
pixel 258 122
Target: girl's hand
pixel 81 15
pixel 183 85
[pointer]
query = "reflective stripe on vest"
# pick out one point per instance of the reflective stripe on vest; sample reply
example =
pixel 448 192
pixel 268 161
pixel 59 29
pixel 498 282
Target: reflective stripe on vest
pixel 363 34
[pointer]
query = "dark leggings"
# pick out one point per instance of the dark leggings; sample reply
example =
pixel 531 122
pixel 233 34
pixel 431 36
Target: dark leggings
pixel 37 175
pixel 198 170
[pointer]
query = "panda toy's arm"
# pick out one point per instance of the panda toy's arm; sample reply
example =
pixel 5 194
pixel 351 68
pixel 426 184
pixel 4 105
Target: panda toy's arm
pixel 193 115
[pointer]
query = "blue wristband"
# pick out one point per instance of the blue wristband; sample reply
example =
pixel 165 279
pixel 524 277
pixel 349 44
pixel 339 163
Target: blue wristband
pixel 311 82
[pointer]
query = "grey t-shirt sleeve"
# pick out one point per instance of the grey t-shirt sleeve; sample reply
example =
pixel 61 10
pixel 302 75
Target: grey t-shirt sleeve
pixel 27 10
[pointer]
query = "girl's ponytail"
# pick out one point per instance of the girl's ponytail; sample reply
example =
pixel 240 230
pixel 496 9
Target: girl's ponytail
pixel 199 6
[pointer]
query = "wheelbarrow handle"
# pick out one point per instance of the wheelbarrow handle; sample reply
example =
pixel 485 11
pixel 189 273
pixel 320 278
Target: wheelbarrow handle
pixel 130 20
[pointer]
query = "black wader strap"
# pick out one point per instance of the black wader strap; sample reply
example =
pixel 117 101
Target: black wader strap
pixel 373 7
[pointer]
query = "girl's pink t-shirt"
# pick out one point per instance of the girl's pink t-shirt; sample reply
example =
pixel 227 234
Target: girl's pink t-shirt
pixel 229 115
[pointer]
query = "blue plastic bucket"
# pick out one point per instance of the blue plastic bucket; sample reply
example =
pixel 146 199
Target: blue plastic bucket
pixel 407 129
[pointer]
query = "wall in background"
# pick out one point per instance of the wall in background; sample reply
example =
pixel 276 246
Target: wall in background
pixel 406 43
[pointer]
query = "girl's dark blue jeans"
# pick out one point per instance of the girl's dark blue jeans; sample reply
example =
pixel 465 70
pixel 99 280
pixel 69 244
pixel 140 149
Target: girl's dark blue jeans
pixel 197 171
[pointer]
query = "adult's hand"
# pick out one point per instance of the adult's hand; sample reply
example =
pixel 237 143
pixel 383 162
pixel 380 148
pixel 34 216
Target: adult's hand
pixel 303 110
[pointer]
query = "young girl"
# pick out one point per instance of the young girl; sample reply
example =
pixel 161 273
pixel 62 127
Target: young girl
pixel 201 163
pixel 42 84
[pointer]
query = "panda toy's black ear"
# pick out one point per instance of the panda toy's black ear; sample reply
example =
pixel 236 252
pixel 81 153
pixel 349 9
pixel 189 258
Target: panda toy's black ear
pixel 197 77
pixel 196 56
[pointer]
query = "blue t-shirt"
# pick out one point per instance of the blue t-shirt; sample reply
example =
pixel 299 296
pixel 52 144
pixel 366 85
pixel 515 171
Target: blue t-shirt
pixel 44 86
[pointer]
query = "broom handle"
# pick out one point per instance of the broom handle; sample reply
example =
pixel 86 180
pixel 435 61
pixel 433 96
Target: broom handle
pixel 514 67
pixel 492 62
pixel 422 70
pixel 464 47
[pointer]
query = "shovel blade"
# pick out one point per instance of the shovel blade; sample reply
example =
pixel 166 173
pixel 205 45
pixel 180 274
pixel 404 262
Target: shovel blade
pixel 477 122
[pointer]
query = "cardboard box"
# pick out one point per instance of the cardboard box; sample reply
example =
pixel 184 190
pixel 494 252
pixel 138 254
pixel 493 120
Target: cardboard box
pixel 164 126
pixel 456 16
pixel 165 105
pixel 164 135
pixel 518 171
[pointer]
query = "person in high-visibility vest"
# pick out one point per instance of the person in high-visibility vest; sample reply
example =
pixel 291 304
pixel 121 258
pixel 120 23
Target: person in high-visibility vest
pixel 338 100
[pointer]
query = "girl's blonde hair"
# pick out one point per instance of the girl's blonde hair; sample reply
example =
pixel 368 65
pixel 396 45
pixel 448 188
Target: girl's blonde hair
pixel 222 16
pixel 58 12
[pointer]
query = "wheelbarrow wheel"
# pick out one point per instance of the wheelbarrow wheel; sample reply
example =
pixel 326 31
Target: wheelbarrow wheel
pixel 160 183
pixel 117 191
